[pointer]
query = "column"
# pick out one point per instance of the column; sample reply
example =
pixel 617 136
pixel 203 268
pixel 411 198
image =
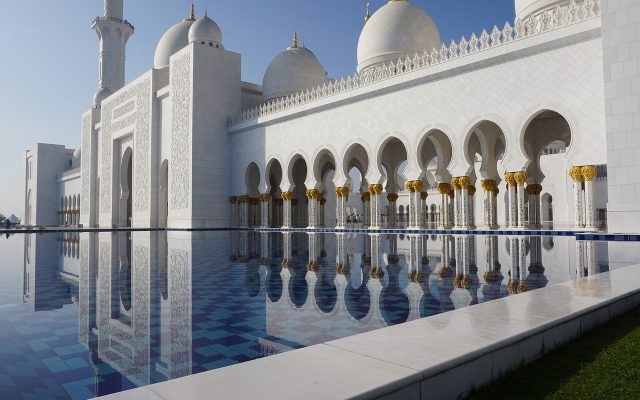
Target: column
pixel 366 198
pixel 494 206
pixel 234 211
pixel 533 191
pixel 510 179
pixel 444 189
pixel 576 175
pixel 514 252
pixel 393 210
pixel 414 188
pixel 277 217
pixel 287 209
pixel 342 196
pixel 312 196
pixel 244 211
pixel 423 208
pixel 264 210
pixel 472 207
pixel 489 186
pixel 589 174
pixel 464 182
pixel 521 179
pixel 321 215
pixel 375 191
pixel 457 205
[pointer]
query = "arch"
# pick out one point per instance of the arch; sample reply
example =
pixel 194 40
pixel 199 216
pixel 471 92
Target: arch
pixel 541 129
pixel 126 188
pixel 163 208
pixel 324 161
pixel 487 139
pixel 296 160
pixel 252 180
pixel 273 175
pixel 392 153
pixel 356 155
pixel 434 155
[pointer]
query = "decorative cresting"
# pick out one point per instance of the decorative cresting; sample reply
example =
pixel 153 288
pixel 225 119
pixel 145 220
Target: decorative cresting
pixel 556 18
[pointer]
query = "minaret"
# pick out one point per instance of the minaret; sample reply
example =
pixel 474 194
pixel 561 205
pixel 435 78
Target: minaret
pixel 113 32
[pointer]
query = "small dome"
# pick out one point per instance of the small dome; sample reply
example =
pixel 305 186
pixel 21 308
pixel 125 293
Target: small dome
pixel 396 30
pixel 77 153
pixel 525 8
pixel 292 71
pixel 174 40
pixel 76 160
pixel 206 31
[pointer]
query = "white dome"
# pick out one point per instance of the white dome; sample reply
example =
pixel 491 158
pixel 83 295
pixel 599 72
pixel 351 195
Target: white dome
pixel 77 153
pixel 100 95
pixel 293 70
pixel 396 30
pixel 175 39
pixel 76 160
pixel 206 31
pixel 524 8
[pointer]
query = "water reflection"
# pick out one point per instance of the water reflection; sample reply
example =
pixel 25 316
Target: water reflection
pixel 158 306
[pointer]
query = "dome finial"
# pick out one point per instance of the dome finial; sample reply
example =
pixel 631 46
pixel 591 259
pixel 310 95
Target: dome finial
pixel 206 13
pixel 367 15
pixel 295 40
pixel 192 14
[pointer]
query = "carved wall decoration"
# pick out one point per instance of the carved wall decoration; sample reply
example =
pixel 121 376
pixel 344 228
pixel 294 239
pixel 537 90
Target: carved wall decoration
pixel 180 173
pixel 85 162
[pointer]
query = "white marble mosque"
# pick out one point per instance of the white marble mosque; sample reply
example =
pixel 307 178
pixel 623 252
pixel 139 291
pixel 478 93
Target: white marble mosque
pixel 511 127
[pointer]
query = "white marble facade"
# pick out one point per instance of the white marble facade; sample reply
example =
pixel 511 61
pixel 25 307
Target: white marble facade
pixel 504 128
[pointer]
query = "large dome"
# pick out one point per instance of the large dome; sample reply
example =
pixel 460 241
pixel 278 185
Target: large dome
pixel 293 70
pixel 396 30
pixel 524 8
pixel 206 31
pixel 175 39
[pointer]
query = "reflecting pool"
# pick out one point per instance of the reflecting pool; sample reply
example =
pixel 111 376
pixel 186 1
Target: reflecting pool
pixel 88 314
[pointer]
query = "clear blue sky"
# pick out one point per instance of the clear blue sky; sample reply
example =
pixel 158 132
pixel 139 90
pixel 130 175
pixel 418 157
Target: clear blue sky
pixel 48 69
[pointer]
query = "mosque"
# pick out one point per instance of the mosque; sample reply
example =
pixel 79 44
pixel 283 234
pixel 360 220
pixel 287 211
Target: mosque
pixel 508 128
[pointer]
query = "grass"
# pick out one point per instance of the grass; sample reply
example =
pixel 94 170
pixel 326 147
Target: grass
pixel 603 364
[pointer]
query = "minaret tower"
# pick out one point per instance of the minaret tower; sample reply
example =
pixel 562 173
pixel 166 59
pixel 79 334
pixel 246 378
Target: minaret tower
pixel 113 32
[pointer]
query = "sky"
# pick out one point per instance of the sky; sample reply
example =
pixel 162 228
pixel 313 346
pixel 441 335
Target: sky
pixel 49 62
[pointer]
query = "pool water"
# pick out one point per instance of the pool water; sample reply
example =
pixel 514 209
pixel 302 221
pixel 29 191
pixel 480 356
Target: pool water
pixel 89 314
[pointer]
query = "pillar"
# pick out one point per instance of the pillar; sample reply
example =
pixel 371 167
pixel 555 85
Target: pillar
pixel 533 191
pixel 457 205
pixel 342 196
pixel 472 207
pixel 393 210
pixel 510 179
pixel 313 195
pixel 521 179
pixel 321 215
pixel 265 200
pixel 375 192
pixel 276 220
pixel 491 191
pixel 366 198
pixel 464 182
pixel 243 213
pixel 423 209
pixel 287 209
pixel 444 189
pixel 588 175
pixel 576 175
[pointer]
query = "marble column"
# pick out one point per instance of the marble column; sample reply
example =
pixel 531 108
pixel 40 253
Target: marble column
pixel 576 175
pixel 464 182
pixel 321 215
pixel 472 207
pixel 489 186
pixel 265 202
pixel 510 179
pixel 375 196
pixel 589 173
pixel 287 209
pixel 444 189
pixel 393 210
pixel 313 195
pixel 533 191
pixel 423 209
pixel 457 203
pixel 414 188
pixel 243 214
pixel 342 196
pixel 277 215
pixel 366 198
pixel 234 211
pixel 514 252
pixel 521 180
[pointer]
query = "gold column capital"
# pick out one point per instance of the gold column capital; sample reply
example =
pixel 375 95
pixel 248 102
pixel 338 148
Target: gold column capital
pixel 342 191
pixel 520 177
pixel 576 174
pixel 588 172
pixel 392 197
pixel 472 190
pixel 423 196
pixel 444 188
pixel 464 182
pixel 375 189
pixel 366 197
pixel 418 186
pixel 233 200
pixel 287 196
pixel 313 194
pixel 323 201
pixel 243 199
pixel 455 182
pixel 265 197
pixel 488 185
pixel 510 178
pixel 409 186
